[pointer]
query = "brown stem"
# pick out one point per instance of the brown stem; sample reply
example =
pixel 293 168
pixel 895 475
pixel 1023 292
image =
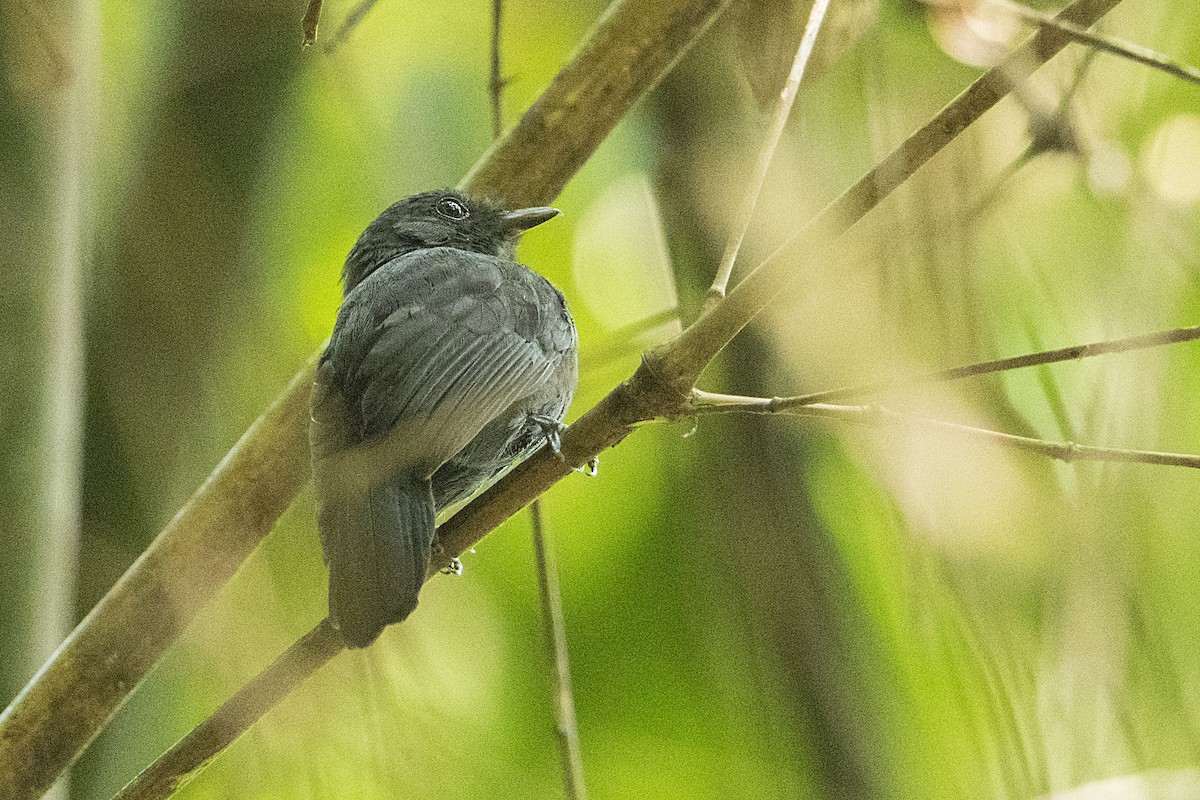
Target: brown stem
pixel 191 753
pixel 566 728
pixel 496 85
pixel 625 55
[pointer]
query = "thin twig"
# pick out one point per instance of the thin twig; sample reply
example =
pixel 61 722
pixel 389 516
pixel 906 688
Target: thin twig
pixel 713 403
pixel 496 86
pixel 184 760
pixel 566 727
pixel 1108 44
pixel 312 18
pixel 353 18
pixel 1074 353
pixel 783 110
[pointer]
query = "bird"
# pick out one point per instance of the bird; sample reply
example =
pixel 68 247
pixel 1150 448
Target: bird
pixel 448 362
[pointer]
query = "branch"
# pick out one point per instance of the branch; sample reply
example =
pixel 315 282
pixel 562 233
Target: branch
pixel 783 110
pixel 1073 353
pixel 711 403
pixel 88 678
pixel 566 728
pixel 178 765
pixel 682 360
pixel 1108 44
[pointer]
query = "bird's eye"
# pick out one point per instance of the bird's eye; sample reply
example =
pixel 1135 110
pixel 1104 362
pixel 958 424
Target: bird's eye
pixel 451 209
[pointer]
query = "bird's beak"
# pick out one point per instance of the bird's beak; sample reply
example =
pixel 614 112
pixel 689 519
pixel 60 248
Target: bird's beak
pixel 516 222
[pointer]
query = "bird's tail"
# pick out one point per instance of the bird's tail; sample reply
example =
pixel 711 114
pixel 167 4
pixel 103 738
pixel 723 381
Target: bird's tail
pixel 377 543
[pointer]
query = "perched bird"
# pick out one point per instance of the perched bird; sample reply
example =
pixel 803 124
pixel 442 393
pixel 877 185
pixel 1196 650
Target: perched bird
pixel 448 362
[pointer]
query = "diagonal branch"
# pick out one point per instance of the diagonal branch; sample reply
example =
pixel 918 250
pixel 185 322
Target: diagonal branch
pixel 179 765
pixel 88 678
pixel 682 360
pixel 1108 44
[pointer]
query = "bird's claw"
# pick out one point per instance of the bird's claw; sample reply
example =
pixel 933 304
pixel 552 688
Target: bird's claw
pixel 552 431
pixel 455 566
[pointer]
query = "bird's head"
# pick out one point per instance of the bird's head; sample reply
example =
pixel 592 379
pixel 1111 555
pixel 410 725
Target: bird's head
pixel 444 218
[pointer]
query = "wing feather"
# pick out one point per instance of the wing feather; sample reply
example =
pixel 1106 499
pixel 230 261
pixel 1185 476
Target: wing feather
pixel 444 338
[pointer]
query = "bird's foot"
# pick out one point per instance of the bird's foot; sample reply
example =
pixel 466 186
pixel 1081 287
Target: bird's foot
pixel 455 567
pixel 552 431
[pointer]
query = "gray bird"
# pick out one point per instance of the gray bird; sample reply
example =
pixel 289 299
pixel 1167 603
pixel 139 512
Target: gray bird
pixel 448 362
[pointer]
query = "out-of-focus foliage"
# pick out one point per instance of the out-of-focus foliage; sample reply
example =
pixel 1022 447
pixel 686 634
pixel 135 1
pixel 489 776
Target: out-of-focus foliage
pixel 767 607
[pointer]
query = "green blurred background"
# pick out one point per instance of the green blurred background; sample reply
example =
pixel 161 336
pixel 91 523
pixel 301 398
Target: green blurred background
pixel 767 607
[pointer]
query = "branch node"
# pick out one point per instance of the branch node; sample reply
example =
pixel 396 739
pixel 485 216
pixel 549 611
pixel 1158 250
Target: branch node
pixel 667 394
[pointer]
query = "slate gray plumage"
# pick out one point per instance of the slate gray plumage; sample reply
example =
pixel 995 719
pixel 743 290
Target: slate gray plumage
pixel 448 362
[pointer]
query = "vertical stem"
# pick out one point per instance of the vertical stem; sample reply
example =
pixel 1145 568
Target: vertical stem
pixel 64 326
pixel 566 728
pixel 497 83
pixel 46 129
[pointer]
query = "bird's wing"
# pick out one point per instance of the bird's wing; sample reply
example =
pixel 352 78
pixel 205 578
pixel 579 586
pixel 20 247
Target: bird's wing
pixel 434 345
